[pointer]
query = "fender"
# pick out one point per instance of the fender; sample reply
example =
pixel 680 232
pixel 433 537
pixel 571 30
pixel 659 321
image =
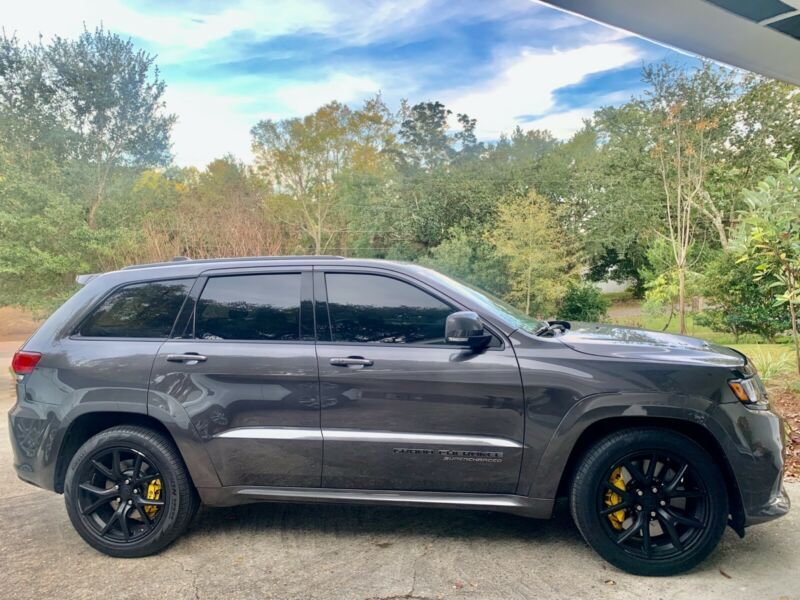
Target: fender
pixel 692 409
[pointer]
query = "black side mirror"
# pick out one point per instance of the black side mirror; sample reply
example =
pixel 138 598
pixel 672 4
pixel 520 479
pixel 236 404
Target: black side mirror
pixel 465 328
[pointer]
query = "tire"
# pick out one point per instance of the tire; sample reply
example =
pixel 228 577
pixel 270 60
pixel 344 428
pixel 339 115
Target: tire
pixel 676 521
pixel 153 501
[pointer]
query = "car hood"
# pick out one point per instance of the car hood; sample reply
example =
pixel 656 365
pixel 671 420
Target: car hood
pixel 631 343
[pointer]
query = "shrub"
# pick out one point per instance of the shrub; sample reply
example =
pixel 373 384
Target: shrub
pixel 583 302
pixel 738 304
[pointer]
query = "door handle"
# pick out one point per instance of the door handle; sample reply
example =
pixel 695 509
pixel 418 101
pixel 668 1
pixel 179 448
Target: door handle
pixel 351 361
pixel 190 358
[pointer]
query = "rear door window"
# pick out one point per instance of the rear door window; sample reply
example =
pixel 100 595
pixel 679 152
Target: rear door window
pixel 262 307
pixel 139 310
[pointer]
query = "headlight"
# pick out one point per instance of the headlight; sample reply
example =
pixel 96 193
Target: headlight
pixel 750 392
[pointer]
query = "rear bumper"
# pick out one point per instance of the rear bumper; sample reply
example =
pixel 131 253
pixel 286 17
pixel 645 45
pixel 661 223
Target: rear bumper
pixel 33 429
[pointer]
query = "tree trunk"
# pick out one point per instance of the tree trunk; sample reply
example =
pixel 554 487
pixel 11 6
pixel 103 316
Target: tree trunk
pixel 682 299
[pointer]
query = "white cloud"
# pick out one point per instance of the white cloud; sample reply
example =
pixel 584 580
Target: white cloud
pixel 213 122
pixel 526 85
pixel 172 35
pixel 210 124
pixel 305 97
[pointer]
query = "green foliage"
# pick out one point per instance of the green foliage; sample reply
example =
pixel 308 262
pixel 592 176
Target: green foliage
pixel 583 302
pixel 527 236
pixel 770 237
pixel 661 281
pixel 86 185
pixel 771 364
pixel 739 304
pixel 472 260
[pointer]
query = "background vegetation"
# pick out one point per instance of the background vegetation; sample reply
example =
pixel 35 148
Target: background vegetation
pixel 688 192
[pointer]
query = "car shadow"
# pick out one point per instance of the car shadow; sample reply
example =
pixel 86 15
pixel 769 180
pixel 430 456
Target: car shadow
pixel 398 522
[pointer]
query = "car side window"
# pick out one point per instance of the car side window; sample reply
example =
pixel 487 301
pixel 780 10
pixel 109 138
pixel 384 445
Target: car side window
pixel 139 310
pixel 367 308
pixel 250 307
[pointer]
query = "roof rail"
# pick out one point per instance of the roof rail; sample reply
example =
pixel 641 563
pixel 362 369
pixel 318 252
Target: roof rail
pixel 233 259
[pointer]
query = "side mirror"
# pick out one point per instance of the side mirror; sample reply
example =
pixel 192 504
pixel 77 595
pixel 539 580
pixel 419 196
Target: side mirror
pixel 466 328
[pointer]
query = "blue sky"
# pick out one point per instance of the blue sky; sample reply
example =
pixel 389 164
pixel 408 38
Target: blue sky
pixel 229 64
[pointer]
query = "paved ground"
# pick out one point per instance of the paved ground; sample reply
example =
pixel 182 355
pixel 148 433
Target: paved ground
pixel 277 551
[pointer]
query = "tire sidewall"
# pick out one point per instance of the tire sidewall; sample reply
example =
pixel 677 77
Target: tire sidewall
pixel 610 451
pixel 163 533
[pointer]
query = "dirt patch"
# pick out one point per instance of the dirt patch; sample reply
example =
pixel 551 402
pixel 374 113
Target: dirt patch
pixel 16 324
pixel 786 402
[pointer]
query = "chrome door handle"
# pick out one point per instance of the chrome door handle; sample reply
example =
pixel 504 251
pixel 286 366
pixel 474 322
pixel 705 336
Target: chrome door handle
pixel 351 361
pixel 189 358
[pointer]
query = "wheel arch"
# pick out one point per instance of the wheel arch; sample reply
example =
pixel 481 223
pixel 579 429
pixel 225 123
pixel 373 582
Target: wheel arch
pixel 696 431
pixel 88 424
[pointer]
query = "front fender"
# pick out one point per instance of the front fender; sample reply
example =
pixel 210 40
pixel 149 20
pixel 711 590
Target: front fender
pixel 591 410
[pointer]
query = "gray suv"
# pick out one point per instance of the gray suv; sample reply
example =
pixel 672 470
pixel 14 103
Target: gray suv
pixel 322 379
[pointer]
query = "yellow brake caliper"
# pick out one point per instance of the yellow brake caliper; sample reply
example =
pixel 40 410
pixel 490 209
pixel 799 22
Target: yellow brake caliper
pixel 153 493
pixel 611 498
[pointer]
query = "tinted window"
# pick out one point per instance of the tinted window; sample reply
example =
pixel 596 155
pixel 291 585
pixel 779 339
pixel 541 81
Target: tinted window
pixel 372 308
pixel 140 310
pixel 250 307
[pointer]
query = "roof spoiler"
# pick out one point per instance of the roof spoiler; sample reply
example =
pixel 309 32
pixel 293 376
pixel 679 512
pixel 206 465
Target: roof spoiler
pixel 86 278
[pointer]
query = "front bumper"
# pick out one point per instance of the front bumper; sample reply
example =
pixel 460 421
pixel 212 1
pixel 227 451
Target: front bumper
pixel 755 445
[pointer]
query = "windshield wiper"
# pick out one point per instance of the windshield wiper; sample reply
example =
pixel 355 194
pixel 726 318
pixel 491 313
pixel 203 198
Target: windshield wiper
pixel 554 328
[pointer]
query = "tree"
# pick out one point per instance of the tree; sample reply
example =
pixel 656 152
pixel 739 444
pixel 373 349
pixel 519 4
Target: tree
pixel 528 237
pixel 684 113
pixel 95 101
pixel 426 140
pixel 111 98
pixel 472 260
pixel 305 158
pixel 770 233
pixel 662 286
pixel 44 239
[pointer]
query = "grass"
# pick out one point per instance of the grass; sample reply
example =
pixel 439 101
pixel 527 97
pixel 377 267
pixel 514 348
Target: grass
pixel 619 296
pixel 657 323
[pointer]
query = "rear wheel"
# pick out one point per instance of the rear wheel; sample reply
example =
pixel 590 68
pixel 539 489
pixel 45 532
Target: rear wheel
pixel 650 501
pixel 128 493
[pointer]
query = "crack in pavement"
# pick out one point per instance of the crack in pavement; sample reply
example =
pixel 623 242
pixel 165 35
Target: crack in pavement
pixel 191 572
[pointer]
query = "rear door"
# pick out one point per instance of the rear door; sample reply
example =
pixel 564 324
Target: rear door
pixel 243 366
pixel 401 409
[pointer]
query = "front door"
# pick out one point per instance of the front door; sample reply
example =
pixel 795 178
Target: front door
pixel 245 371
pixel 401 409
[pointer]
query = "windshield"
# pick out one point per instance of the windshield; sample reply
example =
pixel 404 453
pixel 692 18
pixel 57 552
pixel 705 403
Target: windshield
pixel 503 310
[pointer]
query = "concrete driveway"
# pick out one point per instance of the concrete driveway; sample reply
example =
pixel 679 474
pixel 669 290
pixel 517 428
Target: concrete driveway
pixel 337 552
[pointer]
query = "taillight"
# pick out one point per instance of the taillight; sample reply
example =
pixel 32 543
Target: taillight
pixel 24 363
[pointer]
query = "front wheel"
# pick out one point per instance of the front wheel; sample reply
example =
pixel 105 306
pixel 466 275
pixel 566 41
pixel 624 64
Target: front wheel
pixel 650 501
pixel 128 493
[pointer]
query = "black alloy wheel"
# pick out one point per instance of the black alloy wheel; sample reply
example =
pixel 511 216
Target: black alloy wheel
pixel 128 492
pixel 650 501
pixel 120 494
pixel 665 505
